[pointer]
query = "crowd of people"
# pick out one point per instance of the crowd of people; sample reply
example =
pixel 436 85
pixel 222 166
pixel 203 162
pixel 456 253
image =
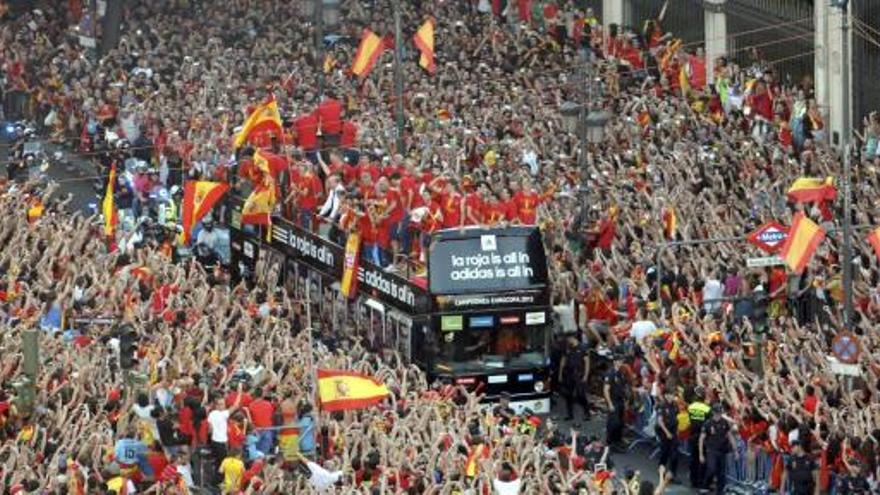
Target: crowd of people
pixel 732 360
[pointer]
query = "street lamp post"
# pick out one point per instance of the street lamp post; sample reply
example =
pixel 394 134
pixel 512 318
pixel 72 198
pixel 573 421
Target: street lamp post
pixel 847 256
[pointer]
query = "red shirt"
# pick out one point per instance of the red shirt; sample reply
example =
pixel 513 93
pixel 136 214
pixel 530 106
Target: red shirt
pixel 606 234
pixel 261 413
pixel 307 131
pixel 526 204
pixel 810 403
pixel 393 196
pixel 246 399
pixel 157 462
pixel 330 116
pixel 367 230
pixel 451 210
pixel 310 191
pixel 473 208
pixel 493 213
pixel 432 220
pixel 349 134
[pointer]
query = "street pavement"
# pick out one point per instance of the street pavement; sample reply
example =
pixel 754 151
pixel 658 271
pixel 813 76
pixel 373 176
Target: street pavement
pixel 637 460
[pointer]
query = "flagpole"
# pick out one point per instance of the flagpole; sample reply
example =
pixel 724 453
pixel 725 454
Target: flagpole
pixel 847 177
pixel 313 369
pixel 398 77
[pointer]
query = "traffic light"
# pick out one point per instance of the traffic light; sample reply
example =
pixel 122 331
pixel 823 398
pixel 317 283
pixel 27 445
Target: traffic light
pixel 127 348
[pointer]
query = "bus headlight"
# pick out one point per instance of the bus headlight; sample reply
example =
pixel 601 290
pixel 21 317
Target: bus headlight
pixel 539 386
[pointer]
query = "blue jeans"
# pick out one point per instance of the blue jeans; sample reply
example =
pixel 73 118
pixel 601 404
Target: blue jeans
pixel 266 441
pixel 305 219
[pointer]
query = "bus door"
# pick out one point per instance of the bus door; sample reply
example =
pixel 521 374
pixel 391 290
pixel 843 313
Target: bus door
pixel 399 328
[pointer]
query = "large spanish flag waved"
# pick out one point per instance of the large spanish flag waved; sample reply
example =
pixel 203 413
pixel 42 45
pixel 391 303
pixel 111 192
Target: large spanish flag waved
pixel 264 118
pixel 809 190
pixel 368 52
pixel 424 40
pixel 874 239
pixel 804 237
pixel 108 207
pixel 198 199
pixel 344 390
pixel 257 209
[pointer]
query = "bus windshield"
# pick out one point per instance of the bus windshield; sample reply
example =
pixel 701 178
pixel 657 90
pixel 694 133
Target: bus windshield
pixel 492 348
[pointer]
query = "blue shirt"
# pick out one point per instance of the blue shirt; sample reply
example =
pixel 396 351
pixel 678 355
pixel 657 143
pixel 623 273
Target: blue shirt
pixel 306 434
pixel 129 451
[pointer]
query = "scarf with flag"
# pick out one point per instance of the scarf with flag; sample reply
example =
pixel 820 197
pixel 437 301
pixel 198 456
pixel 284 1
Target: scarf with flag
pixel 424 41
pixel 264 118
pixel 340 390
pixel 803 239
pixel 108 206
pixel 198 199
pixel 348 286
pixel 368 52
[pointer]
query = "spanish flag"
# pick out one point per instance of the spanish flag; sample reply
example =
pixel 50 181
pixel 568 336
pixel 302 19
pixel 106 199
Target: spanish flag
pixel 810 190
pixel 369 50
pixel 804 237
pixel 269 163
pixel 670 52
pixel 108 207
pixel 478 452
pixel 874 239
pixel 344 390
pixel 670 223
pixel 424 40
pixel 349 275
pixel 198 199
pixel 265 117
pixel 257 209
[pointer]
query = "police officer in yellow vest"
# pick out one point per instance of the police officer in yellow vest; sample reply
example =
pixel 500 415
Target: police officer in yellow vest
pixel 698 413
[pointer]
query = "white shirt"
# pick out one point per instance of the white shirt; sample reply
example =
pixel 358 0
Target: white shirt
pixel 185 472
pixel 506 487
pixel 712 293
pixel 330 208
pixel 321 478
pixel 641 329
pixel 219 422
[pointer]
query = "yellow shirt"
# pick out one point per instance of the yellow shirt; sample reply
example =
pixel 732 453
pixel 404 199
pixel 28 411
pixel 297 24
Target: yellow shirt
pixel 233 471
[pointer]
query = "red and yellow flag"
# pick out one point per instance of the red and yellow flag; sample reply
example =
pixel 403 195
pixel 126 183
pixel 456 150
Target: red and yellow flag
pixel 804 237
pixel 257 209
pixel 198 199
pixel 340 390
pixel 264 118
pixel 809 190
pixel 349 275
pixel 108 207
pixel 874 239
pixel 477 453
pixel 670 223
pixel 369 50
pixel 424 41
